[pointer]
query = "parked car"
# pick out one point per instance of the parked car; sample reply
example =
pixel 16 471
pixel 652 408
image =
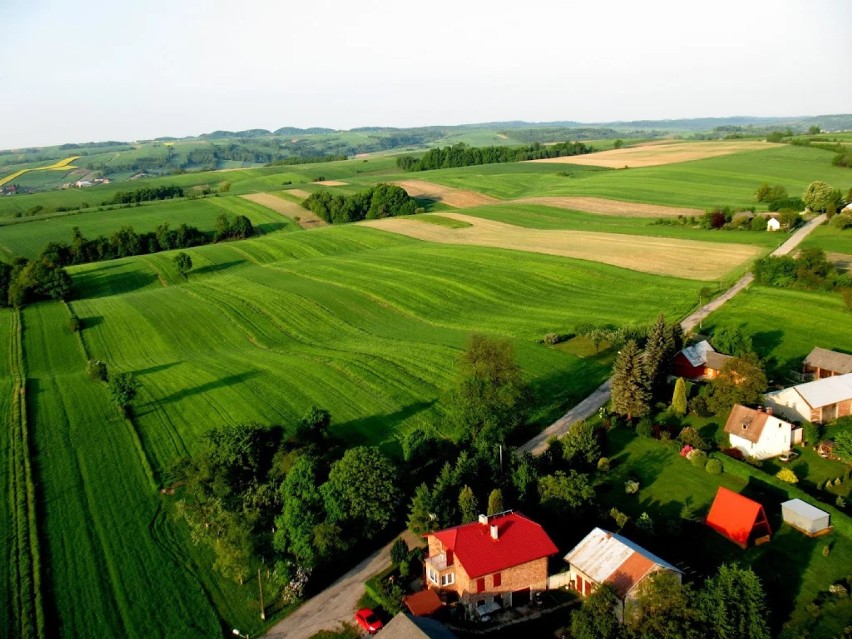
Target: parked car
pixel 368 620
pixel 790 455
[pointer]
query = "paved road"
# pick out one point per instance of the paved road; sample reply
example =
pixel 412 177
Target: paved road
pixel 601 395
pixel 336 604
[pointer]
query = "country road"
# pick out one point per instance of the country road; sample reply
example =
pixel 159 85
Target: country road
pixel 336 604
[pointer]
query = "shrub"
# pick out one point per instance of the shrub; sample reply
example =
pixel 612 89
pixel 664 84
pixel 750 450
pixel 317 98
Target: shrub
pixel 96 370
pixel 399 551
pixel 620 518
pixel 734 453
pixel 840 502
pixel 631 487
pixel 698 406
pixel 787 475
pixel 826 550
pixel 74 324
pixel 645 522
pixel 698 458
pixel 753 461
pixel 691 437
pixel 645 428
pixel 714 467
pixel 554 338
pixel 603 464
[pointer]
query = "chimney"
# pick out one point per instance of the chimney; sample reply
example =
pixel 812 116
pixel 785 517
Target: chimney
pixel 495 533
pixel 483 519
pixel 769 411
pixel 760 409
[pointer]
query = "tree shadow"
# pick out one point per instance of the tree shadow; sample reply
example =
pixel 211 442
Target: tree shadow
pixel 230 380
pixel 365 428
pixel 95 284
pixel 91 321
pixel 154 369
pixel 269 227
pixel 766 341
pixel 217 268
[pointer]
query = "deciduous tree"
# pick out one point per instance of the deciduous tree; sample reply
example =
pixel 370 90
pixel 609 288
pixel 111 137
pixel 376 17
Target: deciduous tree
pixel 596 619
pixel 183 263
pixel 741 381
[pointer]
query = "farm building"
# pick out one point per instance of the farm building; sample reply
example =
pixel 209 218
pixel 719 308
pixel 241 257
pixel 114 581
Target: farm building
pixel 822 362
pixel 498 560
pixel 405 627
pixel 772 224
pixel 820 401
pixel 738 518
pixel 699 361
pixel 802 516
pixel 758 433
pixel 605 557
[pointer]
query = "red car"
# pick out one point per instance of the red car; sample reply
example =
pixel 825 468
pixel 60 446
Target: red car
pixel 368 620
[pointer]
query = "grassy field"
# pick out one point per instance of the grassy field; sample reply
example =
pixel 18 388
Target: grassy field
pixel 786 324
pixel 830 240
pixel 28 236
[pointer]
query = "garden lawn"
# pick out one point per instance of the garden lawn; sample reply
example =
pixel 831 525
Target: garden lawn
pixel 677 495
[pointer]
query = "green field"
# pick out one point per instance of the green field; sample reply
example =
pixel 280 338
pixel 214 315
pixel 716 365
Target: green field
pixel 785 324
pixel 27 237
pixel 830 240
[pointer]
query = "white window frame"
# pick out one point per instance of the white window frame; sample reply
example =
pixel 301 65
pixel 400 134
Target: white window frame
pixel 433 576
pixel 449 579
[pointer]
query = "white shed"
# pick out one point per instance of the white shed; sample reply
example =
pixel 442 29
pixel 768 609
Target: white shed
pixel 801 515
pixel 772 224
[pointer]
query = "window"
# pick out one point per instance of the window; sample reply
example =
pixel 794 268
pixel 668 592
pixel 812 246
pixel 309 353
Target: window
pixel 480 584
pixel 498 579
pixel 449 579
pixel 433 576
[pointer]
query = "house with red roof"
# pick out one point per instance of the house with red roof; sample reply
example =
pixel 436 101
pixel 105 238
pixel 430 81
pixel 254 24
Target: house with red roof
pixel 605 557
pixel 738 518
pixel 498 560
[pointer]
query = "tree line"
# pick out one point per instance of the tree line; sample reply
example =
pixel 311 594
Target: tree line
pixel 146 194
pixel 461 154
pixel 382 200
pixel 23 281
pixel 126 242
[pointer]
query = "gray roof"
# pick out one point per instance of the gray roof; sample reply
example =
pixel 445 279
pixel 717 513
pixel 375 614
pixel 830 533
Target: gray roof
pixel 829 360
pixel 826 391
pixel 697 353
pixel 405 627
pixel 717 361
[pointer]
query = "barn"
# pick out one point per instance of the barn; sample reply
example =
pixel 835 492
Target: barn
pixel 802 516
pixel 738 518
pixel 699 361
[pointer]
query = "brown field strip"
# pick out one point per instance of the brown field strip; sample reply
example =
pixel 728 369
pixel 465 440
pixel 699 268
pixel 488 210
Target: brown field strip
pixel 458 198
pixel 299 193
pixel 602 206
pixel 303 217
pixel 331 183
pixel 657 154
pixel 689 259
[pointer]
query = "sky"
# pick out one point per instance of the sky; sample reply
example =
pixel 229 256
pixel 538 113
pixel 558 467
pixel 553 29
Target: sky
pixel 125 70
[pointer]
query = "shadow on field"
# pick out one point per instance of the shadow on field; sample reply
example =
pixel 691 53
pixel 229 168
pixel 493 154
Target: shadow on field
pixel 366 428
pixel 217 268
pixel 269 227
pixel 230 380
pixel 92 321
pixel 93 284
pixel 155 369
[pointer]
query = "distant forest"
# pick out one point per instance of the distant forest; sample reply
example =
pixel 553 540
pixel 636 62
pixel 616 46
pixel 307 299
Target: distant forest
pixel 463 155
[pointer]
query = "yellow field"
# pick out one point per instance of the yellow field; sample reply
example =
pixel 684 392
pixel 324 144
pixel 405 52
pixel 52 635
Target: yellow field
pixel 61 165
pixel 689 259
pixel 305 218
pixel 661 153
pixel 458 198
pixel 603 206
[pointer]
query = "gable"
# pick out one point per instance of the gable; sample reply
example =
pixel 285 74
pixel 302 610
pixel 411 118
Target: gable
pixel 735 516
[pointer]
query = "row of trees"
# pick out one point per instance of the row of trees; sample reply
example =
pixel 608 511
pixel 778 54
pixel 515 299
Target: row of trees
pixel 730 605
pixel 147 194
pixel 382 200
pixel 463 155
pixel 810 270
pixel 23 281
pixel 126 242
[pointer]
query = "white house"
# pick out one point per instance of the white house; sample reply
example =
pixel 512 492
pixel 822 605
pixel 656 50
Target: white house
pixel 760 434
pixel 772 224
pixel 820 401
pixel 605 557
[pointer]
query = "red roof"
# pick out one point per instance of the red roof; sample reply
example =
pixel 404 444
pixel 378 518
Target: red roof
pixel 424 603
pixel 519 540
pixel 735 516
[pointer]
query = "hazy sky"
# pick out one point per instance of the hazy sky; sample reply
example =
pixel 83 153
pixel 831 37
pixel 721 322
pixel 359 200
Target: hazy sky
pixel 132 70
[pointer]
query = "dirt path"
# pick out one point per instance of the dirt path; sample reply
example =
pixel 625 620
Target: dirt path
pixel 303 217
pixel 336 604
pixel 648 254
pixel 589 406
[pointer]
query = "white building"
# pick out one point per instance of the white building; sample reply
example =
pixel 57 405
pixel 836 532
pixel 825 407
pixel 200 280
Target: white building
pixel 772 224
pixel 760 434
pixel 820 401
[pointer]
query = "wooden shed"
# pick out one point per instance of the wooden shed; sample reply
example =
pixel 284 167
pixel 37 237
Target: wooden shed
pixel 804 517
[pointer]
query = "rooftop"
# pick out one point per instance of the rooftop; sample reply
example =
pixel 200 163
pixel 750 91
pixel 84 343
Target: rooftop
pixel 749 423
pixel 829 360
pixel 826 391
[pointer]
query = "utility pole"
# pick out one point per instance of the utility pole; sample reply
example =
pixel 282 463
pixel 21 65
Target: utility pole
pixel 260 589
